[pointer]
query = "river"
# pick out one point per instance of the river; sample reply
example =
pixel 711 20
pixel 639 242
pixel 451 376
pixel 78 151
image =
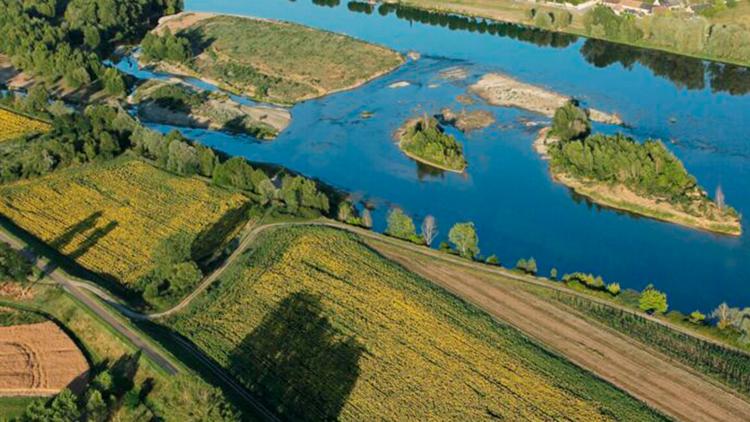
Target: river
pixel 700 110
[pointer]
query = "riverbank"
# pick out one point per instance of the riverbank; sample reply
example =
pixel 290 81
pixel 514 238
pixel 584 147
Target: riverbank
pixel 518 13
pixel 504 91
pixel 274 61
pixel 620 197
pixel 419 140
pixel 178 104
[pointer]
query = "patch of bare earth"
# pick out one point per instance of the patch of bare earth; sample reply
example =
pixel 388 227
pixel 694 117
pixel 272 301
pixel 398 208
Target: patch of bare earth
pixel 632 366
pixel 180 21
pixel 502 90
pixel 39 360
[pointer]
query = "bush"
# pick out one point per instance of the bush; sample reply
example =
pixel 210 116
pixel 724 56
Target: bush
pixel 571 122
pixel 653 301
pixel 613 288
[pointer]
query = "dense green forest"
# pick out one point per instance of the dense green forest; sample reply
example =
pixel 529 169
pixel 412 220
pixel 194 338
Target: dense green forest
pixel 425 139
pixel 67 39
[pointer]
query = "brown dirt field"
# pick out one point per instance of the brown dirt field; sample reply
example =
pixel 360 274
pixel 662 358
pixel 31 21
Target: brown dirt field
pixel 644 373
pixel 38 360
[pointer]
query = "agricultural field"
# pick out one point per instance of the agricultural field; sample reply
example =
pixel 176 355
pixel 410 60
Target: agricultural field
pixel 155 393
pixel 113 218
pixel 39 360
pixel 280 62
pixel 321 327
pixel 14 125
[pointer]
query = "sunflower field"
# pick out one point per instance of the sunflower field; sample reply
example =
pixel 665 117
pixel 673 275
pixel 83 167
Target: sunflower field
pixel 110 218
pixel 13 125
pixel 320 327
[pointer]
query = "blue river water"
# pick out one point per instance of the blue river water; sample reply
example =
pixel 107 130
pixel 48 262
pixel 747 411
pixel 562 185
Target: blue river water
pixel 701 111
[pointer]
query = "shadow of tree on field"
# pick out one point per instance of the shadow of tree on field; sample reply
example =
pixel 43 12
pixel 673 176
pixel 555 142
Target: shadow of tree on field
pixel 71 232
pixel 296 362
pixel 92 239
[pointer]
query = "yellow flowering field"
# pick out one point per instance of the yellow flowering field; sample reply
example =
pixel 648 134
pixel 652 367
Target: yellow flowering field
pixel 321 328
pixel 13 125
pixel 110 217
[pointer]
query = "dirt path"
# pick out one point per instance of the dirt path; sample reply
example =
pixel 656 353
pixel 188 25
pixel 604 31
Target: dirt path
pixel 647 375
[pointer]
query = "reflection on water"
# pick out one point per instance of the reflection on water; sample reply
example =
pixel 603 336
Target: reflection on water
pixel 683 71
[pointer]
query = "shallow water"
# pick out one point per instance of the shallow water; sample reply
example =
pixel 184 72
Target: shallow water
pixel 519 212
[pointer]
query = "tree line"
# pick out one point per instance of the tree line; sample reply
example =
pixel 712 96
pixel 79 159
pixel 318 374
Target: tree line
pixel 68 39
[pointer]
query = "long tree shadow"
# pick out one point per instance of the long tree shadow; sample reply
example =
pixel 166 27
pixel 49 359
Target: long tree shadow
pixel 71 232
pixel 296 362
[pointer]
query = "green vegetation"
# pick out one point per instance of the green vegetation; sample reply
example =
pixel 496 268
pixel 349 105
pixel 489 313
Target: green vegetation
pixel 321 327
pixel 182 105
pixel 402 226
pixel 645 178
pixel 527 266
pixel 464 238
pixel 67 40
pixel 653 301
pixel 10 317
pixel 425 141
pixel 125 385
pixel 570 122
pixel 275 62
pixel 13 265
pixel 167 46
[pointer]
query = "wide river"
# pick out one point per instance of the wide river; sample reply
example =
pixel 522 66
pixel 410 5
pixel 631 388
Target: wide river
pixel 700 110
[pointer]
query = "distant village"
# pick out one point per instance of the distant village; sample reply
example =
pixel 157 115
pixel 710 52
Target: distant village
pixel 642 8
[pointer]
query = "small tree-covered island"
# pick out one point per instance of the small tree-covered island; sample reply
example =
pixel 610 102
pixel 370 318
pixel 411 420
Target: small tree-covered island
pixel 424 140
pixel 618 172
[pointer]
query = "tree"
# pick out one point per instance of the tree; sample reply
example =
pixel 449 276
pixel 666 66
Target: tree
pixel 720 200
pixel 400 225
pixel 553 273
pixel 429 230
pixel 464 238
pixel 613 288
pixel 653 301
pixel 571 122
pixel 493 260
pixel 696 317
pixel 366 218
pixel 721 314
pixel 96 408
pixel 113 83
pixel 345 211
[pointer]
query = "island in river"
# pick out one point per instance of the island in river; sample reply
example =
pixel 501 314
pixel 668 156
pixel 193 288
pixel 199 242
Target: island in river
pixel 176 103
pixel 270 61
pixel 502 90
pixel 642 178
pixel 424 140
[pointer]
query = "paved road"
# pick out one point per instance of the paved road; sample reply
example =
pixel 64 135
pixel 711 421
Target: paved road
pixel 72 287
pixel 76 288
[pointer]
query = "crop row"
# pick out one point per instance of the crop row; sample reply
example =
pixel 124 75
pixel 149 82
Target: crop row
pixel 322 315
pixel 14 125
pixel 111 218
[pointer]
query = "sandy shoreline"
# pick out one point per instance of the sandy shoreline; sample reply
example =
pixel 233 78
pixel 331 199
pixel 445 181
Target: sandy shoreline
pixel 504 91
pixel 621 198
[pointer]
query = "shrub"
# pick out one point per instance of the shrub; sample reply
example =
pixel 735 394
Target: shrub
pixel 653 301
